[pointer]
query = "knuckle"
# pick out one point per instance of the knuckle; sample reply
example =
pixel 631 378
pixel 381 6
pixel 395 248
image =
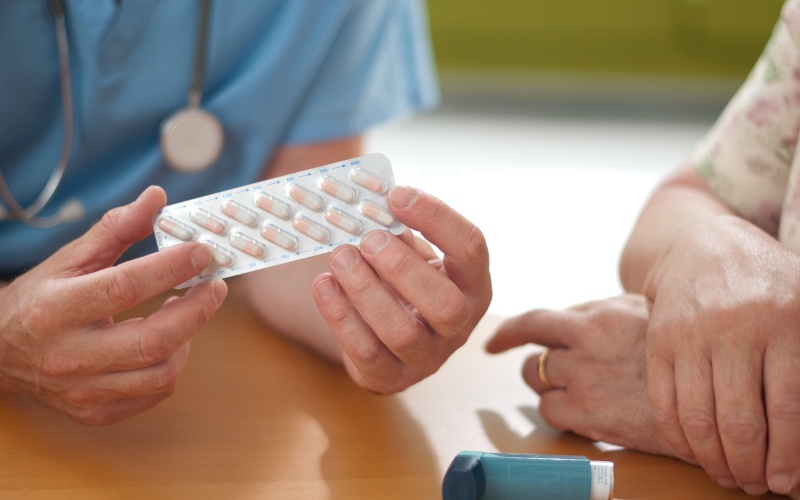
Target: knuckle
pixel 80 397
pixel 107 228
pixel 165 380
pixel 177 270
pixel 387 385
pixel 152 347
pixel 121 289
pixel 110 219
pixel 475 248
pixel 202 315
pixel 358 284
pixel 338 315
pixel 785 407
pixel 665 416
pixel 697 422
pixel 401 266
pixel 89 418
pixel 367 354
pixel 742 427
pixel 453 313
pixel 405 337
pixel 96 418
pixel 437 212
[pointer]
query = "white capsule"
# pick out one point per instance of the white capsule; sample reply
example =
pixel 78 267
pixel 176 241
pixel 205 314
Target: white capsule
pixel 239 213
pixel 343 221
pixel 207 220
pixel 220 254
pixel 276 235
pixel 376 213
pixel 247 245
pixel 336 189
pixel 368 181
pixel 304 197
pixel 310 229
pixel 176 229
pixel 270 205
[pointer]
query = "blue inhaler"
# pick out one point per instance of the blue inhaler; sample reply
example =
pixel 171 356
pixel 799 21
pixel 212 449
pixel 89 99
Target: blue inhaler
pixel 475 475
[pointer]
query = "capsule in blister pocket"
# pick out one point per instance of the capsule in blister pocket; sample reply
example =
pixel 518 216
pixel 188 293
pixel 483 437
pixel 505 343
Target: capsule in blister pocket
pixel 368 181
pixel 304 197
pixel 278 236
pixel 272 206
pixel 376 213
pixel 247 245
pixel 336 189
pixel 176 229
pixel 207 220
pixel 343 221
pixel 311 229
pixel 239 213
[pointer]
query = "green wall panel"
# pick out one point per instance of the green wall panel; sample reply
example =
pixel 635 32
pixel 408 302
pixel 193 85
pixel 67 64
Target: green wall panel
pixel 706 38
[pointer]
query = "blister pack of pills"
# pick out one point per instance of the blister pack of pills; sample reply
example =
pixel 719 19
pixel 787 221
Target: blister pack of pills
pixel 284 219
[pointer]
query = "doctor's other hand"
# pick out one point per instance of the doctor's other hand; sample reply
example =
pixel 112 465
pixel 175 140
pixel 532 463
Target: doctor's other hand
pixel 59 344
pixel 397 310
pixel 595 367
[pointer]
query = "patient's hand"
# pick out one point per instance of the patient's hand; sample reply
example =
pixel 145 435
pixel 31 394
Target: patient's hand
pixel 596 368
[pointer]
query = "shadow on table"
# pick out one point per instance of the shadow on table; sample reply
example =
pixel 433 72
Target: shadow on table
pixel 255 416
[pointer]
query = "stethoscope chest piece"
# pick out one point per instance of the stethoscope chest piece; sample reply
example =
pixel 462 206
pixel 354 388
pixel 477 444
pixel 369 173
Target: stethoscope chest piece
pixel 191 140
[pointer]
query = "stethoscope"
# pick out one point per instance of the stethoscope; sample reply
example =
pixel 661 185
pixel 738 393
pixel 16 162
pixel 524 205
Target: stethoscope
pixel 191 138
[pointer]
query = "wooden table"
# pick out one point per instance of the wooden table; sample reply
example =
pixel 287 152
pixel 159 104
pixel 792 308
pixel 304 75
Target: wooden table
pixel 256 416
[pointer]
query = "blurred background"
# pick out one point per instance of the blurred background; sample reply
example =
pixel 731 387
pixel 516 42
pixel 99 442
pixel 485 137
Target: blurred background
pixel 559 117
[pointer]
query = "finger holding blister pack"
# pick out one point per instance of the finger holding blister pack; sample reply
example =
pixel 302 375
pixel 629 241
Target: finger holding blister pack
pixel 283 219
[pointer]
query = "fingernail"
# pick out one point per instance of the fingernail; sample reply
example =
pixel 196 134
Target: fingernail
pixel 755 489
pixel 780 483
pixel 727 482
pixel 374 242
pixel 200 257
pixel 326 288
pixel 220 291
pixel 402 196
pixel 345 259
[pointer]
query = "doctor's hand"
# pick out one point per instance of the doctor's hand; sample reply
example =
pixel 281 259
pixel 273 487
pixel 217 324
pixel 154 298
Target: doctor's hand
pixel 724 350
pixel 396 309
pixel 595 367
pixel 59 344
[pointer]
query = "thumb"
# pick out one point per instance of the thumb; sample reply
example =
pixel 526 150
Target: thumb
pixel 119 228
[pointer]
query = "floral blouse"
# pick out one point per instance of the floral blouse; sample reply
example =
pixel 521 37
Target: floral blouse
pixel 749 156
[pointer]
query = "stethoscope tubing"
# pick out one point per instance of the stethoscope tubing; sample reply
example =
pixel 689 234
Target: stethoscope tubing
pixel 73 209
pixel 29 215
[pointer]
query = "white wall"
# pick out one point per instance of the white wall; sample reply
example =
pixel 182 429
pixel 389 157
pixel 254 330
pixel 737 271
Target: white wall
pixel 555 195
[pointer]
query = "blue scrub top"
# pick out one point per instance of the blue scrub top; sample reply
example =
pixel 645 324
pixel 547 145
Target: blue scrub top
pixel 277 72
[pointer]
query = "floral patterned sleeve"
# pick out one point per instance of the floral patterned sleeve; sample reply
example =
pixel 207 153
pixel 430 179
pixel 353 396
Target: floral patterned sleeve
pixel 748 157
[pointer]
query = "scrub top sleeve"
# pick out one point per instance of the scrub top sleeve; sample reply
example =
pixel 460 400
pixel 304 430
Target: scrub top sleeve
pixel 748 154
pixel 379 68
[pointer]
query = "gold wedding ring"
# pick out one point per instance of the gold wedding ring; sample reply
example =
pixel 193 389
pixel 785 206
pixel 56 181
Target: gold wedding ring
pixel 542 374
